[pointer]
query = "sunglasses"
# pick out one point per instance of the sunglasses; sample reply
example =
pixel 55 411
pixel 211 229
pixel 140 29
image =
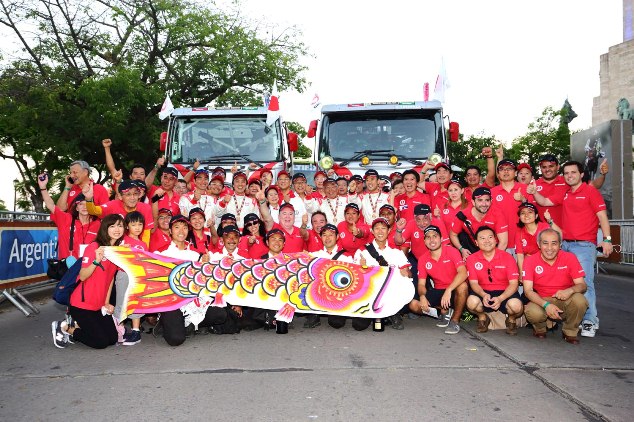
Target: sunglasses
pixel 253 223
pixel 489 274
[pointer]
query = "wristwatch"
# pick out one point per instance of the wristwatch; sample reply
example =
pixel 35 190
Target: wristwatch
pixel 608 239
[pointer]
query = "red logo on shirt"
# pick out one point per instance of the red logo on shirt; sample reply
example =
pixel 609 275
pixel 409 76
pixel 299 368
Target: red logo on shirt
pixel 539 269
pixel 478 266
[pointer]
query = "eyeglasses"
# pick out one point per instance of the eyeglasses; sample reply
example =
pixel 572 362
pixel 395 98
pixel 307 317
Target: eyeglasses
pixel 253 223
pixel 489 274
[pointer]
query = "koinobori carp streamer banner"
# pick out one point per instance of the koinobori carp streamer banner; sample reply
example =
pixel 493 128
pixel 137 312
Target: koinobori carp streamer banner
pixel 287 283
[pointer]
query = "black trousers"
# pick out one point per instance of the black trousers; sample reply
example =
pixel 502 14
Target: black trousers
pixel 359 324
pixel 95 330
pixel 174 323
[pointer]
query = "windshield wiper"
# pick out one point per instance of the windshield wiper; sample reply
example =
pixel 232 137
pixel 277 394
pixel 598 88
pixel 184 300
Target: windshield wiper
pixel 217 158
pixel 358 154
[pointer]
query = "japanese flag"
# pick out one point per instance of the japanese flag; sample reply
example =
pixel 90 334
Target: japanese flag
pixel 166 109
pixel 273 112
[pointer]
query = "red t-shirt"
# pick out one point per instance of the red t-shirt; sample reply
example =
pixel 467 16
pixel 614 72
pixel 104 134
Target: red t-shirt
pixel 94 288
pixel 416 236
pixel 293 242
pixel 579 217
pixel 100 194
pixel 134 243
pixel 548 279
pixel 350 242
pixel 254 251
pixel 448 213
pixel 84 233
pixel 505 202
pixel 555 191
pixel 437 195
pixel 314 243
pixel 501 269
pixel 116 207
pixel 443 270
pixel 405 205
pixel 493 218
pixel 526 243
pixel 166 201
pixel 159 241
pixel 201 244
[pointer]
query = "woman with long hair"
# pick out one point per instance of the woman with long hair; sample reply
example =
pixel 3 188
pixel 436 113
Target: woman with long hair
pixel 457 202
pixel 530 225
pixel 252 242
pixel 90 309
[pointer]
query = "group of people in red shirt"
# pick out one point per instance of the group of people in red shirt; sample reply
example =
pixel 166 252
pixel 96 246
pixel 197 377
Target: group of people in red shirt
pixel 468 244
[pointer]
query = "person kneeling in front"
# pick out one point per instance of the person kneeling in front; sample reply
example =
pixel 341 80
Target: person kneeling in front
pixel 554 284
pixel 447 287
pixel 493 278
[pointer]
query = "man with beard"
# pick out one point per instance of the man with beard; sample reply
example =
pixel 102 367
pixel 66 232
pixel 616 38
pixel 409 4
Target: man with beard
pixel 466 223
pixel 554 283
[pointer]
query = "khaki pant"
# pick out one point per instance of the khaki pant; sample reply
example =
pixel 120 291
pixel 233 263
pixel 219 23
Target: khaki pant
pixel 574 309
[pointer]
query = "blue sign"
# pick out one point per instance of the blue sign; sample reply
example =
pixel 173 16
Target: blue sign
pixel 24 251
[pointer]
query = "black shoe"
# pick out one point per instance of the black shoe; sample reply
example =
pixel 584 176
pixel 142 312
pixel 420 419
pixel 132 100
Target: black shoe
pixel 190 330
pixel 397 322
pixel 312 321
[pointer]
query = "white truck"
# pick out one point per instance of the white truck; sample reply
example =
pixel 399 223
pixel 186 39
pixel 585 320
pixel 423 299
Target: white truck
pixel 385 136
pixel 225 136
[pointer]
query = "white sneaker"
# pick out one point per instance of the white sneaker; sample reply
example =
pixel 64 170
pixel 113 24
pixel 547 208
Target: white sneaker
pixel 588 329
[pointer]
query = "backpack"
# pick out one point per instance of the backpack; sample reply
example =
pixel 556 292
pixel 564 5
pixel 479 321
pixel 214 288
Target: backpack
pixel 65 287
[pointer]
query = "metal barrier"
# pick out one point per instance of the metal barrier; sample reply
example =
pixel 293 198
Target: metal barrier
pixel 23 216
pixel 626 228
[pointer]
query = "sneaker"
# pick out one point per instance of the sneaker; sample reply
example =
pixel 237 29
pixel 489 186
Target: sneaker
pixel 59 337
pixel 312 321
pixel 70 322
pixel 452 328
pixel 443 320
pixel 588 329
pixel 132 338
pixel 412 315
pixel 397 321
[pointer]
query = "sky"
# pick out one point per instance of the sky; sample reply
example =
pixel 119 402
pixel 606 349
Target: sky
pixel 505 60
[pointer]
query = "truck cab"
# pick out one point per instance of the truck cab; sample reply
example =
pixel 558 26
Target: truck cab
pixel 227 136
pixel 385 136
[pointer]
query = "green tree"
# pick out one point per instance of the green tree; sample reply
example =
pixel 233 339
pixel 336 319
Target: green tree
pixel 547 134
pixel 101 70
pixel 303 151
pixel 3 206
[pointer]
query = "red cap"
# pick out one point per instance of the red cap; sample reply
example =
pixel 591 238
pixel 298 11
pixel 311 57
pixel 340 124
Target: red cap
pixel 319 173
pixel 283 172
pixel 218 177
pixel 525 166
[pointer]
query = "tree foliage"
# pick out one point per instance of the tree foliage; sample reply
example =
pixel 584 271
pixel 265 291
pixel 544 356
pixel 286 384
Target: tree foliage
pixel 465 153
pixel 303 151
pixel 83 71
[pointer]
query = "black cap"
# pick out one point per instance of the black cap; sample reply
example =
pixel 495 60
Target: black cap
pixel 459 182
pixel 274 232
pixel 527 205
pixel 388 207
pixel 250 217
pixel 196 210
pixel 227 216
pixel 79 198
pixel 549 157
pixel 255 182
pixel 230 228
pixel 371 172
pixel 432 228
pixel 171 170
pixel 353 206
pixel 342 178
pixel 507 162
pixel 126 185
pixel 382 220
pixel 177 218
pixel 422 209
pixel 140 184
pixel 329 226
pixel 165 211
pixel 479 191
pixel 330 180
pixel 201 171
pixel 357 178
pixel 297 176
pixel 238 174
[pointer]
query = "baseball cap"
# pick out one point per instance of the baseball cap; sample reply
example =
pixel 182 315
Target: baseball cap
pixel 196 210
pixel 330 227
pixel 353 206
pixel 525 166
pixel 548 157
pixel 507 162
pixel 239 174
pixel 456 181
pixel 380 220
pixel 283 173
pixel 171 170
pixel 126 185
pixel 422 209
pixel 165 211
pixel 396 174
pixel 287 205
pixel 480 191
pixel 140 184
pixel 330 180
pixel 442 165
pixel 432 228
pixel 297 176
pixel 527 205
pixel 255 182
pixel 387 207
pixel 356 177
pixel 319 173
pixel 250 217
pixel 177 218
pixel 201 172
pixel 342 178
pixel 273 232
pixel 264 170
pixel 230 228
pixel 219 177
pixel 227 217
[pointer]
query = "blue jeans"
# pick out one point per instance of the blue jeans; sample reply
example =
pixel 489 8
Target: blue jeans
pixel 586 253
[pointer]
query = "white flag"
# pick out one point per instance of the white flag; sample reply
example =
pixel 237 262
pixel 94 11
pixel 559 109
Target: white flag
pixel 273 113
pixel 442 83
pixel 166 109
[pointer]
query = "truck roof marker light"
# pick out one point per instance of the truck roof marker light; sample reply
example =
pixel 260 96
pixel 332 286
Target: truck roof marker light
pixel 326 162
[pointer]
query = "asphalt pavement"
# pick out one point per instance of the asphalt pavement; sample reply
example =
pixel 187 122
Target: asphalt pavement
pixel 324 374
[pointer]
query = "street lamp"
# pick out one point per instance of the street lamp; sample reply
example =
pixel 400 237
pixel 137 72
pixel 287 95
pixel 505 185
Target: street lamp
pixel 15 194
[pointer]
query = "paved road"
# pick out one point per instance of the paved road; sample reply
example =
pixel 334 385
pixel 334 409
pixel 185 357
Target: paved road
pixel 324 374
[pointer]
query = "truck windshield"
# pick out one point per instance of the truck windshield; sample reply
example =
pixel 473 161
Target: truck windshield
pixel 414 134
pixel 209 139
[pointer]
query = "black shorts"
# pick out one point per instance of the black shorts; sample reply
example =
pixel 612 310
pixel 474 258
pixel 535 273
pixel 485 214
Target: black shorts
pixel 496 293
pixel 433 296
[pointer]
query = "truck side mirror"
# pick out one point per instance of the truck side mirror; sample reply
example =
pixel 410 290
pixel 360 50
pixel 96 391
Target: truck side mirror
pixel 293 143
pixel 163 142
pixel 454 131
pixel 312 129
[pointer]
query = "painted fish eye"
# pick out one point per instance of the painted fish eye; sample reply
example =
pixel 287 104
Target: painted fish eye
pixel 338 278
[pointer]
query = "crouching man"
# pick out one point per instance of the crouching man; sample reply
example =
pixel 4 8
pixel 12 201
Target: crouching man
pixel 447 287
pixel 493 278
pixel 554 284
